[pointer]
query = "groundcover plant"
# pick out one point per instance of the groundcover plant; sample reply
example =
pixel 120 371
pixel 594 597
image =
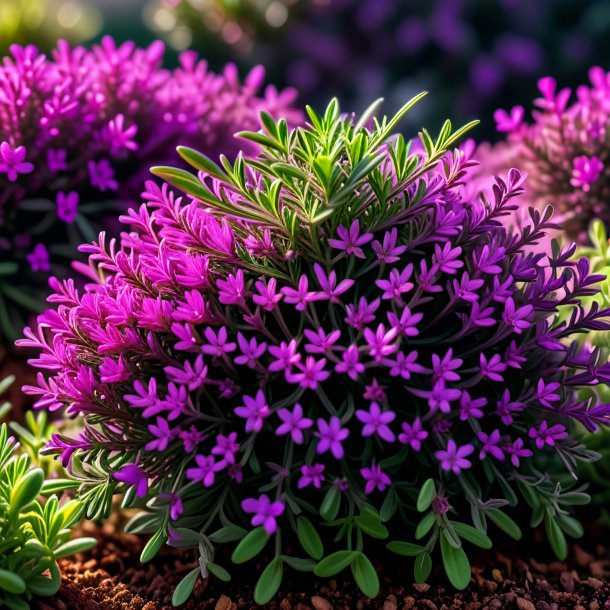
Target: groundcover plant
pixel 78 131
pixel 35 527
pixel 564 149
pixel 324 347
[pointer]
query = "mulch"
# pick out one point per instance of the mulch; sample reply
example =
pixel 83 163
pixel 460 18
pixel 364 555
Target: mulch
pixel 110 577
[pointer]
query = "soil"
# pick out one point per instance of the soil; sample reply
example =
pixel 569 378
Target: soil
pixel 110 577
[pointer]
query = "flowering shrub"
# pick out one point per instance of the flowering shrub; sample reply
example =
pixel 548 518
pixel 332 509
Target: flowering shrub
pixel 77 132
pixel 564 150
pixel 331 335
pixel 34 533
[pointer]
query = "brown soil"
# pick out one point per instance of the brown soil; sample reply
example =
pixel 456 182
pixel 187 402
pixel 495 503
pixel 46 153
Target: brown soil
pixel 111 578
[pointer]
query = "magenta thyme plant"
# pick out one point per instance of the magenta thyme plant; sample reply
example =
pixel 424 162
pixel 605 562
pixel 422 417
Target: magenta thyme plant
pixel 564 149
pixel 78 131
pixel 325 346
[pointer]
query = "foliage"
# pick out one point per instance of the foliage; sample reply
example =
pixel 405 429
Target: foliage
pixel 326 345
pixel 35 526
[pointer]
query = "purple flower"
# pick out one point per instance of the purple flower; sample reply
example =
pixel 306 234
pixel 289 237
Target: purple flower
pixel 56 160
pixel 114 371
pixel 232 291
pixel 413 434
pixel 493 367
pixel 254 411
pixel 516 317
pixel 517 451
pixel 440 397
pixel 285 356
pixel 490 445
pixel 163 435
pixel 205 471
pixel 375 479
pixel 267 296
pixel 311 475
pixel 217 342
pixel 320 342
pixel 226 447
pixel 293 423
pixel 361 314
pixel 548 393
pixel 350 241
pixel 67 206
pixel 380 342
pixel 328 284
pixel 445 367
pixel 12 161
pixel 547 435
pixel 447 258
pixel 310 373
pixel 101 175
pixel 454 458
pixel 376 422
pixel 133 475
pixel 121 138
pixel 265 512
pixel 331 435
pixel 397 284
pixel 586 171
pixel 251 351
pixel 508 122
pixel 39 258
pixel 350 363
pixel 388 251
pixel 471 408
pixel 406 325
pixel 300 296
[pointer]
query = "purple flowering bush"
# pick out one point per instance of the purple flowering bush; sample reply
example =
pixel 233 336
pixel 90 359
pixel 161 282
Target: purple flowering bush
pixel 564 150
pixel 328 345
pixel 78 131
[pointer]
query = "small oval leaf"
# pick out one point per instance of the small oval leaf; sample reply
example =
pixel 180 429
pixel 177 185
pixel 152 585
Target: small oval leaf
pixel 250 545
pixel 365 575
pixel 269 582
pixel 309 538
pixel 457 566
pixel 334 563
pixel 185 587
pixel 426 495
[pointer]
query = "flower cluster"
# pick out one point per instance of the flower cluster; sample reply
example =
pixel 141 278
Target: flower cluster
pixel 79 129
pixel 564 150
pixel 328 333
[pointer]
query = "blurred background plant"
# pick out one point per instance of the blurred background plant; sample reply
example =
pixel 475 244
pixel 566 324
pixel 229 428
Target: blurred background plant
pixel 45 21
pixel 475 55
pixel 36 521
pixel 78 131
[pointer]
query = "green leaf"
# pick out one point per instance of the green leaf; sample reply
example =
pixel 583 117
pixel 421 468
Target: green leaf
pixel 200 162
pixel 504 522
pixel 185 587
pixel 572 527
pixel 369 521
pixel 365 575
pixel 309 538
pixel 228 533
pixel 53 486
pixel 405 548
pixel 299 564
pixel 218 571
pixel 334 563
pixel 422 567
pixel 330 504
pixel 556 537
pixel 153 545
pixel 426 495
pixel 11 583
pixel 26 490
pixel 456 564
pixel 250 546
pixel 16 603
pixel 472 535
pixel 425 525
pixel 44 586
pixel 269 582
pixel 389 506
pixel 71 547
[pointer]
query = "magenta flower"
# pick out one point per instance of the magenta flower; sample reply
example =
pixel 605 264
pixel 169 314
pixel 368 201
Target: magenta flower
pixel 375 479
pixel 120 136
pixel 293 423
pixel 217 342
pixel 471 407
pixel 101 175
pixel 265 512
pixel 254 411
pixel 517 450
pixel 285 356
pixel 310 373
pixel 205 471
pixel 12 161
pixel 362 314
pixel 413 434
pixel 397 285
pixel 251 351
pixel 453 458
pixel 350 363
pixel 516 317
pixel 376 422
pixel 509 122
pixel 547 435
pixel 267 296
pixel 388 251
pixel 493 367
pixel 39 258
pixel 226 447
pixel 300 296
pixel 445 368
pixel 163 435
pixel 311 475
pixel 67 206
pixel 331 435
pixel 134 476
pixel 586 171
pixel 490 445
pixel 328 284
pixel 351 241
pixel 381 343
pixel 232 291
pixel 548 393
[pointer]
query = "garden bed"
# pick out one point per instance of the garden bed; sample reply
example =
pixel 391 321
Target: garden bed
pixel 111 578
